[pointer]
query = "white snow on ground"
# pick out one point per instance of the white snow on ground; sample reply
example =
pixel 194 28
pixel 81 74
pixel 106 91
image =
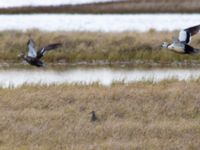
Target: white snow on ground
pixel 19 3
pixel 105 76
pixel 104 23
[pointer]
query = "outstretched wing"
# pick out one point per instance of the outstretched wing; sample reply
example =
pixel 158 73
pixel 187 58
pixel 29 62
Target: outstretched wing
pixel 193 30
pixel 31 48
pixel 49 47
pixel 184 37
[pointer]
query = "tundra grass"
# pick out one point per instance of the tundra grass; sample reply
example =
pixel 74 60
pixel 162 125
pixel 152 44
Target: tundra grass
pixel 127 6
pixel 150 116
pixel 98 47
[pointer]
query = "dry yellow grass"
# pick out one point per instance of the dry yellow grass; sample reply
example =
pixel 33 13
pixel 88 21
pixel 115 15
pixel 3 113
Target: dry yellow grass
pixel 131 47
pixel 138 116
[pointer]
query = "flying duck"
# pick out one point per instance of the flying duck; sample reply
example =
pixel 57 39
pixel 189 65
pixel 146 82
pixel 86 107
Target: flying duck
pixel 181 45
pixel 33 57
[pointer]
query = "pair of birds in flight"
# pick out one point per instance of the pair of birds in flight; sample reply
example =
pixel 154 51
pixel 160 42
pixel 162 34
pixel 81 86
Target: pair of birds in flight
pixel 180 45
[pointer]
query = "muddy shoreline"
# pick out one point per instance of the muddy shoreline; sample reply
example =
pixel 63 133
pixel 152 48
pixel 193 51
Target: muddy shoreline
pixel 96 64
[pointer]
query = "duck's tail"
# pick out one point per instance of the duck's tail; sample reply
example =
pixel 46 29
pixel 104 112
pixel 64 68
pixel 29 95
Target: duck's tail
pixel 191 50
pixel 197 51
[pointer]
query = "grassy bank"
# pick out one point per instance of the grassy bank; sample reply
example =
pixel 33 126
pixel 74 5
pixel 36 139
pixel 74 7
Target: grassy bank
pixel 127 47
pixel 138 116
pixel 129 6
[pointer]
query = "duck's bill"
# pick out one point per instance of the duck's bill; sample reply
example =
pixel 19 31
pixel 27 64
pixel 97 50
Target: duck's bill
pixel 164 45
pixel 20 55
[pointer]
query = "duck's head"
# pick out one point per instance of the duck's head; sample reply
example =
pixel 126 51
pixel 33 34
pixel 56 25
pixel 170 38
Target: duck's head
pixel 165 45
pixel 175 46
pixel 21 55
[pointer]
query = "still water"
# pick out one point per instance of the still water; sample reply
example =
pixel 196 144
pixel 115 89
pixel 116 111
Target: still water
pixel 103 23
pixel 105 76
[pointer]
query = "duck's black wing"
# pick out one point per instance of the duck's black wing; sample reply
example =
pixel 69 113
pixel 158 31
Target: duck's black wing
pixel 42 51
pixel 193 30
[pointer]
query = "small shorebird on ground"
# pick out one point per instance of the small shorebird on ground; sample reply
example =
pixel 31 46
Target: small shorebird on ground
pixel 93 117
pixel 33 57
pixel 181 45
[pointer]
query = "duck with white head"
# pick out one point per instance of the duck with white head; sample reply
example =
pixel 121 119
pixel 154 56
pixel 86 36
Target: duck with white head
pixel 181 45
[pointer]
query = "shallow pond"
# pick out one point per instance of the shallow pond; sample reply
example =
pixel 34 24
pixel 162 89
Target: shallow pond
pixel 105 76
pixel 104 23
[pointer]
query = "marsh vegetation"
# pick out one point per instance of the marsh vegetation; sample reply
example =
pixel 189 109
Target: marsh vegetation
pixel 141 115
pixel 98 48
pixel 127 6
pixel 136 116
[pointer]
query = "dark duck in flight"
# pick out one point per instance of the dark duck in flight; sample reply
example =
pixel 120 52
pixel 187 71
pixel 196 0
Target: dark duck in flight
pixel 33 57
pixel 181 45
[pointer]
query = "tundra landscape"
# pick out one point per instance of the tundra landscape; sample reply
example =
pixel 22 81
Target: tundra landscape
pixel 109 85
